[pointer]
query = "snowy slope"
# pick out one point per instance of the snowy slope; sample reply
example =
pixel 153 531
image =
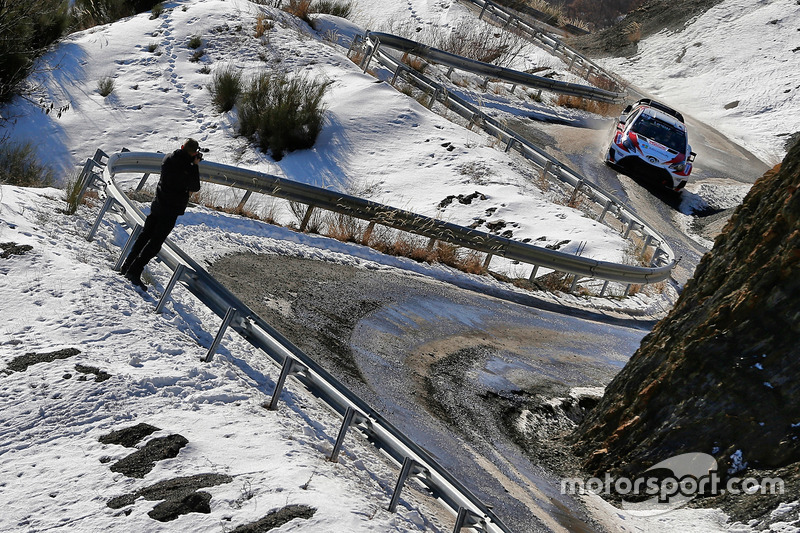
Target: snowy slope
pixel 54 472
pixel 376 142
pixel 736 68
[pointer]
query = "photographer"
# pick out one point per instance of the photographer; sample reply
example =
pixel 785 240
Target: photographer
pixel 180 176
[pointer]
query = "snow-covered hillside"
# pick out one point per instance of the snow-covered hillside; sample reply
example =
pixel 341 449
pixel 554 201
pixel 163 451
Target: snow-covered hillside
pixel 55 474
pixel 736 68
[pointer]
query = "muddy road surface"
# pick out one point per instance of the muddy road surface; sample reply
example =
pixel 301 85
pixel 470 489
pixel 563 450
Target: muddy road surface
pixel 462 373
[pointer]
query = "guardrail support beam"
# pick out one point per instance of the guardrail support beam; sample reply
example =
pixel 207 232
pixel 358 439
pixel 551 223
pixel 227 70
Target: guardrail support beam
pixel 351 416
pixel 603 290
pixel 468 519
pixel 137 229
pixel 410 468
pixel 229 316
pixel 306 218
pixel 142 181
pixel 244 199
pixel 290 367
pixel 176 277
pixel 106 206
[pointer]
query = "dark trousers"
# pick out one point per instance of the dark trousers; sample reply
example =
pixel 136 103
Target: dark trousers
pixel 157 227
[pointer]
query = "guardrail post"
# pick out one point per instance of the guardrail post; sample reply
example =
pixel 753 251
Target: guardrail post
pixel 631 225
pixel 533 273
pixel 647 242
pixel 510 144
pixel 603 290
pixel 546 168
pixel 306 218
pixel 368 58
pixel 485 5
pixel 431 243
pixel 575 192
pixel 605 210
pixel 574 283
pixel 290 367
pixel 449 72
pixel 434 98
pixel 487 261
pixel 351 416
pixel 243 201
pixel 469 519
pixel 410 468
pixel 142 181
pixel 106 206
pixel 368 232
pixel 396 73
pixel 572 63
pixel 128 245
pixel 176 277
pixel 229 316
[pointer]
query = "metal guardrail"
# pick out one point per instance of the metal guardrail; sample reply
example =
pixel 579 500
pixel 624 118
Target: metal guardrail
pixel 663 256
pixel 415 461
pixel 378 39
pixel 375 213
pixel 578 63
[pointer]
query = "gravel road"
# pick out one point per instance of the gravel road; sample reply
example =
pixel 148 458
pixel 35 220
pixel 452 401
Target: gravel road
pixel 458 371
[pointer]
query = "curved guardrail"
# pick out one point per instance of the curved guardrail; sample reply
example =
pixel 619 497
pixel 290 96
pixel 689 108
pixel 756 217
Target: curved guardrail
pixel 549 165
pixel 577 62
pixel 416 461
pixel 378 39
pixel 373 212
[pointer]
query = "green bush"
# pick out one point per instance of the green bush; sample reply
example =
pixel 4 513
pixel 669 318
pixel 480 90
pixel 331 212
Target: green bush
pixel 282 113
pixel 105 85
pixel 333 7
pixel 88 13
pixel 226 86
pixel 27 29
pixel 195 42
pixel 19 165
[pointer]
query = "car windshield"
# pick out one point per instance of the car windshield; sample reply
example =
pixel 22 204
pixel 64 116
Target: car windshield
pixel 660 132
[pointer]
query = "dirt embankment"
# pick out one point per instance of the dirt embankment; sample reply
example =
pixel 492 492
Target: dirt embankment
pixel 621 39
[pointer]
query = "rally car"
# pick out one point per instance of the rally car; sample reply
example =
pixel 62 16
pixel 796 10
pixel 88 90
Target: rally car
pixel 650 141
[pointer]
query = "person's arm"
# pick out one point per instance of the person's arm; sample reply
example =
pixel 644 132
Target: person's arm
pixel 194 177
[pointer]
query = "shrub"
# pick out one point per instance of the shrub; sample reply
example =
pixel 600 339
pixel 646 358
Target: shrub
pixel 26 30
pixel 333 7
pixel 195 42
pixel 157 10
pixel 105 85
pixel 19 165
pixel 71 191
pixel 88 13
pixel 263 24
pixel 282 113
pixel 226 86
pixel 300 9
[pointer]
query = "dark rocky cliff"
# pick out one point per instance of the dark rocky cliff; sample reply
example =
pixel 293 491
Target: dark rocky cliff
pixel 720 373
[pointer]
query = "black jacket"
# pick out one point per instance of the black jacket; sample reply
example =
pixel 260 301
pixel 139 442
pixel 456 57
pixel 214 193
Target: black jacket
pixel 179 178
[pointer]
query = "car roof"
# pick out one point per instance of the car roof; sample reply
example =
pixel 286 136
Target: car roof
pixel 664 117
pixel 661 107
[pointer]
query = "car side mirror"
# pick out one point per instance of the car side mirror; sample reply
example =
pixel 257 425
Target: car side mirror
pixel 691 157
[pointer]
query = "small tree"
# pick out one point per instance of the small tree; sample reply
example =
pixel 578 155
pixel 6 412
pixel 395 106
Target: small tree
pixel 226 86
pixel 27 29
pixel 282 113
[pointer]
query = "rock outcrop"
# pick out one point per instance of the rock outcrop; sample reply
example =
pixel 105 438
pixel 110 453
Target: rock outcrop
pixel 719 375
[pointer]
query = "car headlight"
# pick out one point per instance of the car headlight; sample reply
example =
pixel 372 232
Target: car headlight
pixel 627 144
pixel 678 167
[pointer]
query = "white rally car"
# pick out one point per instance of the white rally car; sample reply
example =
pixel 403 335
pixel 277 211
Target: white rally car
pixel 650 141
